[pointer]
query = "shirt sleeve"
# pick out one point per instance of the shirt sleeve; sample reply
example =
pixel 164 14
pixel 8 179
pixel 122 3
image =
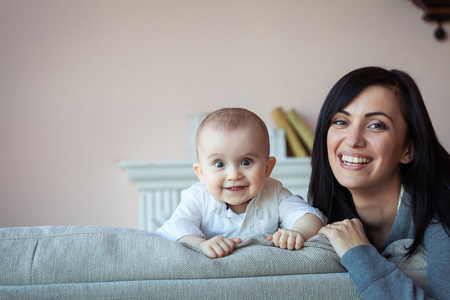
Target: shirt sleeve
pixel 437 243
pixel 377 278
pixel 292 207
pixel 186 219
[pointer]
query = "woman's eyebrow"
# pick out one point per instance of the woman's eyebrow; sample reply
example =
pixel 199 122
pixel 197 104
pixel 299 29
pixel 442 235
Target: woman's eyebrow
pixel 377 113
pixel 371 114
pixel 344 112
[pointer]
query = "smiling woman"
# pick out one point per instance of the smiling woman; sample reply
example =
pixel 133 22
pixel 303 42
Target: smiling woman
pixel 366 142
pixel 387 177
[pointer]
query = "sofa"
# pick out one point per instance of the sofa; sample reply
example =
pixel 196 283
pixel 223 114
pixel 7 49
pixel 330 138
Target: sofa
pixel 95 262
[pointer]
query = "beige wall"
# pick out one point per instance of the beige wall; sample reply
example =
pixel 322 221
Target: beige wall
pixel 86 84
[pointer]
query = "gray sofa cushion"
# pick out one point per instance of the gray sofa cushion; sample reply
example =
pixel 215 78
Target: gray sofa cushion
pixel 38 258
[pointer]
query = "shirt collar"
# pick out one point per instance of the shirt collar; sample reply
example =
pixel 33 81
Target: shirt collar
pixel 221 208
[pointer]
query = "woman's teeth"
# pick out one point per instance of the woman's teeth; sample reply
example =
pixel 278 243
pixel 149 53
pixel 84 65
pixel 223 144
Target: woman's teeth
pixel 354 160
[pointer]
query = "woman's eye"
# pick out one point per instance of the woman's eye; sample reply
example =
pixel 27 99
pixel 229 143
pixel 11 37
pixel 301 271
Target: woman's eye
pixel 246 162
pixel 219 164
pixel 378 126
pixel 339 122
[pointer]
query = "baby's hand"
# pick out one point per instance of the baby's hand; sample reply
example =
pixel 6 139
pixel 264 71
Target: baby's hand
pixel 288 239
pixel 218 246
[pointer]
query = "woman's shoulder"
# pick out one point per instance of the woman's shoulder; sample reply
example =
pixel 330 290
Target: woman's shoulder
pixel 437 236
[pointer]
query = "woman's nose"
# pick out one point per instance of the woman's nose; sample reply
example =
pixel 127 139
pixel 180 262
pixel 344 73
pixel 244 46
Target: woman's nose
pixel 355 137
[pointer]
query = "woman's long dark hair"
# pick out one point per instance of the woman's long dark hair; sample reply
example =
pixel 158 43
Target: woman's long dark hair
pixel 426 178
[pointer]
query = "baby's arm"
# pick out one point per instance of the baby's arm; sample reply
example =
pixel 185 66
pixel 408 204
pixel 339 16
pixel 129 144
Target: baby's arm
pixel 218 246
pixel 305 227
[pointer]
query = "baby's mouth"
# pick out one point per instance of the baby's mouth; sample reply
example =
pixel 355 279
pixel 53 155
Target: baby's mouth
pixel 236 188
pixel 354 160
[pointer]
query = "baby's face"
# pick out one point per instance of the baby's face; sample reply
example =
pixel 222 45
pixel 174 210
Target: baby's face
pixel 232 165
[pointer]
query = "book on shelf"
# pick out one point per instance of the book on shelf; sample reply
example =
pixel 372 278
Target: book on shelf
pixel 305 134
pixel 294 144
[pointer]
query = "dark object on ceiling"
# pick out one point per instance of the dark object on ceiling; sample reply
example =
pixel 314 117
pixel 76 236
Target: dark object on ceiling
pixel 437 11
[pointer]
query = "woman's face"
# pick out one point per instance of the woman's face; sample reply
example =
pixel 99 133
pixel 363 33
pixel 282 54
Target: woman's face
pixel 366 141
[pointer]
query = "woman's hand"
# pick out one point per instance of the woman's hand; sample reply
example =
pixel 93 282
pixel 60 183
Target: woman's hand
pixel 345 235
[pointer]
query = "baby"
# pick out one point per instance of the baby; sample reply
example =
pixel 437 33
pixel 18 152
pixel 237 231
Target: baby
pixel 235 196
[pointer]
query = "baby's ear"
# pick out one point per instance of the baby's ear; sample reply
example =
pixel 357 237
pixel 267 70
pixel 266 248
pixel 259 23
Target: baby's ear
pixel 198 170
pixel 271 161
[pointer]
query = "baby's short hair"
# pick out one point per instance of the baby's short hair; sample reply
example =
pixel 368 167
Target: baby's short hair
pixel 229 119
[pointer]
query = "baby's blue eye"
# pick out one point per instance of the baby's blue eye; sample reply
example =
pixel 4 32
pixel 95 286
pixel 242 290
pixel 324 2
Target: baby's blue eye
pixel 219 164
pixel 246 162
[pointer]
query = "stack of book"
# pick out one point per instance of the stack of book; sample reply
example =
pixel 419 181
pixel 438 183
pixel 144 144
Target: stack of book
pixel 299 137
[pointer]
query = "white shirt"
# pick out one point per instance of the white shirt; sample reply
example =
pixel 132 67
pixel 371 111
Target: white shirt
pixel 202 215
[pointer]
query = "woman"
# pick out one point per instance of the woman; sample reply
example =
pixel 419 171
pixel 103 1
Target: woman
pixel 380 174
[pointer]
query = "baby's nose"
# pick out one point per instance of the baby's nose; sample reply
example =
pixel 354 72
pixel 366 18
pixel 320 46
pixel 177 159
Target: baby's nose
pixel 233 173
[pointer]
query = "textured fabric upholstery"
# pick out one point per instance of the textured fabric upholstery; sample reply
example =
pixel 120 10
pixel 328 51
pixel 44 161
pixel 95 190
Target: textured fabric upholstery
pixel 80 262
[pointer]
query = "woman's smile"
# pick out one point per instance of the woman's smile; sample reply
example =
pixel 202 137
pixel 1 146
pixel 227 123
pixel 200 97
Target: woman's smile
pixel 353 160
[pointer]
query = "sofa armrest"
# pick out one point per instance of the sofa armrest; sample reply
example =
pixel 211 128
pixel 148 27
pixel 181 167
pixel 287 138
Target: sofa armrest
pixel 81 254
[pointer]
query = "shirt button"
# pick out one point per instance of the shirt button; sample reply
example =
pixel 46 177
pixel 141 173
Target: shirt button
pixel 244 224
